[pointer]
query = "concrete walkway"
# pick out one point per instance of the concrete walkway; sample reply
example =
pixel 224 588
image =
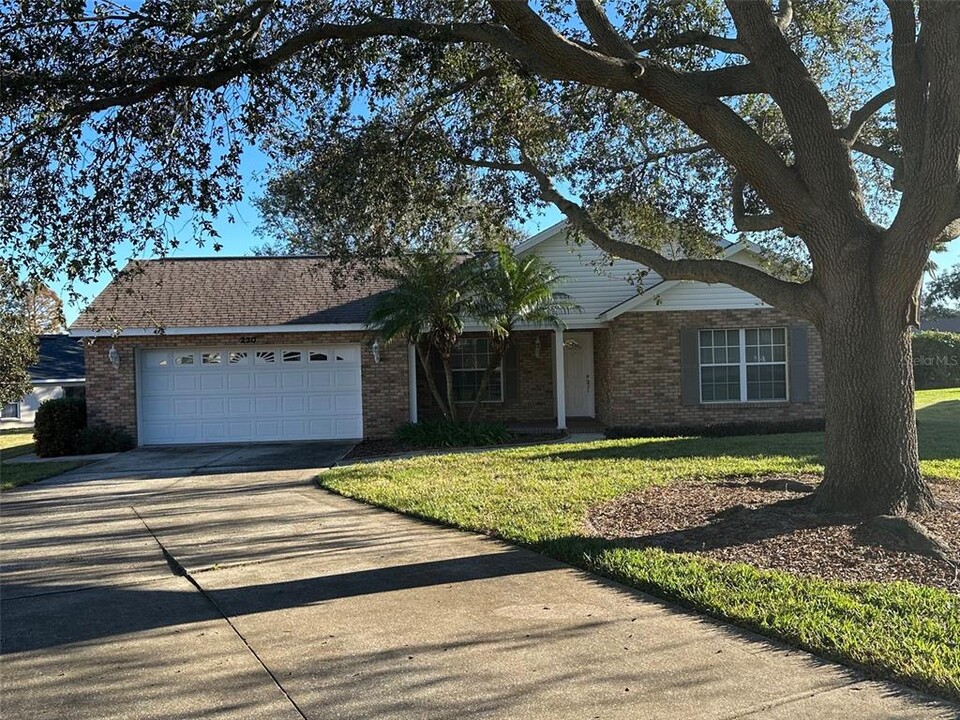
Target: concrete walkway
pixel 220 583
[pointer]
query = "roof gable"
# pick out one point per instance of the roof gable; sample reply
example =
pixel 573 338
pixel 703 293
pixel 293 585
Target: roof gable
pixel 695 295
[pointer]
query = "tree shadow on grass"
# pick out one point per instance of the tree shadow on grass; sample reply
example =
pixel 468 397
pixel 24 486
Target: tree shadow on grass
pixel 938 427
pixel 804 447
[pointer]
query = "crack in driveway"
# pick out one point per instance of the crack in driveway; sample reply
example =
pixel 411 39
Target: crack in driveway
pixel 177 568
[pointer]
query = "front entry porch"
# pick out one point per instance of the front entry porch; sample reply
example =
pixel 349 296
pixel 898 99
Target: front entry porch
pixel 546 380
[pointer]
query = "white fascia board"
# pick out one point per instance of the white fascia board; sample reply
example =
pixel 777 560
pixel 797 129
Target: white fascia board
pixel 241 330
pixel 543 235
pixel 649 295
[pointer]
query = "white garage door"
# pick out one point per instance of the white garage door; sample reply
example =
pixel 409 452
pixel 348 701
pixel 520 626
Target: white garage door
pixel 249 394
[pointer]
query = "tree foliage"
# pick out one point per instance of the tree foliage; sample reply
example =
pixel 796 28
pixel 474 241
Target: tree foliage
pixel 512 291
pixel 427 307
pixel 942 296
pixel 43 310
pixel 18 344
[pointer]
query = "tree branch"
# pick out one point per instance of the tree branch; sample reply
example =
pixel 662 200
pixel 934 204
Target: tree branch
pixel 909 86
pixel 790 297
pixel 685 98
pixel 860 116
pixel 602 31
pixel 824 165
pixel 751 223
pixel 731 46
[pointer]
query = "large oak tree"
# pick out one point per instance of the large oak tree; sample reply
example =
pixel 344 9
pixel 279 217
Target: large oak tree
pixel 829 131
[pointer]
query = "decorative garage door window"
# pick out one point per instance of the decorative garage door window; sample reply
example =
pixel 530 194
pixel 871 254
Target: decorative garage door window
pixel 743 365
pixel 224 394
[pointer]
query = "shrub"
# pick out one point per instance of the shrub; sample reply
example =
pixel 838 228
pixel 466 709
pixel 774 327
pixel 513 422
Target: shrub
pixel 104 439
pixel 443 433
pixel 725 430
pixel 936 359
pixel 57 426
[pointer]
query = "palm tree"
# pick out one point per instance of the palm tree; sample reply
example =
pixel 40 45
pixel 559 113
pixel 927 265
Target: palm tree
pixel 426 307
pixel 512 291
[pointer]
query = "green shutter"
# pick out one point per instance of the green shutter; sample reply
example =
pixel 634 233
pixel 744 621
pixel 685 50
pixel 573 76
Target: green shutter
pixel 690 366
pixel 799 364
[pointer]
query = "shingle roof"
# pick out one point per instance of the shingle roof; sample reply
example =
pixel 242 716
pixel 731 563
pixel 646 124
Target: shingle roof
pixel 231 292
pixel 61 358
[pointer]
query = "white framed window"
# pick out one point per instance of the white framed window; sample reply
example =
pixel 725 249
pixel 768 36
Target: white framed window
pixel 744 365
pixel 266 357
pixel 185 359
pixel 238 357
pixel 210 358
pixel 292 356
pixel 10 411
pixel 468 362
pixel 318 356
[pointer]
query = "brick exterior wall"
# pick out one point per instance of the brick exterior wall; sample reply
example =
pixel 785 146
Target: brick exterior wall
pixel 111 393
pixel 534 400
pixel 638 370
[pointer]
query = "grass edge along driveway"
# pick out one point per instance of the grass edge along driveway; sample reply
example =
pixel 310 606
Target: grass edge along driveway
pixel 538 497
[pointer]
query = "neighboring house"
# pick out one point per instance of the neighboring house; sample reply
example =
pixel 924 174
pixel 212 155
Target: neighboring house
pixel 947 324
pixel 58 372
pixel 267 348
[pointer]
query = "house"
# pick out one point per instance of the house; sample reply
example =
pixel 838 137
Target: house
pixel 58 372
pixel 944 324
pixel 276 348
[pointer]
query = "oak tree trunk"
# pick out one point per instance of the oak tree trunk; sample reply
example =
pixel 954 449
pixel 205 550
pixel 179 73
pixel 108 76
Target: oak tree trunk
pixel 871 461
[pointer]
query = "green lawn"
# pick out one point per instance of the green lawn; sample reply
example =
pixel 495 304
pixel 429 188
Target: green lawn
pixel 538 496
pixel 15 474
pixel 16 441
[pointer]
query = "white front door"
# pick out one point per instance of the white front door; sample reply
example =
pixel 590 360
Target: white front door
pixel 578 373
pixel 250 393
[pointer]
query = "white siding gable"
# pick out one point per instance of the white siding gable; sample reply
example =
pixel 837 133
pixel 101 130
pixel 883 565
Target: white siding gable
pixel 589 278
pixel 689 295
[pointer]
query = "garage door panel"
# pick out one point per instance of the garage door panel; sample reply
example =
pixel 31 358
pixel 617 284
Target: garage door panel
pixel 186 407
pixel 185 381
pixel 347 403
pixel 212 394
pixel 212 381
pixel 266 405
pixel 212 406
pixel 293 404
pixel 292 381
pixel 239 381
pixel 239 405
pixel 320 379
pixel 266 380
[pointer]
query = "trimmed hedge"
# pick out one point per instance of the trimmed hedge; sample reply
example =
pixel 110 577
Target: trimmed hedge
pixel 442 433
pixel 104 439
pixel 57 426
pixel 936 359
pixel 725 430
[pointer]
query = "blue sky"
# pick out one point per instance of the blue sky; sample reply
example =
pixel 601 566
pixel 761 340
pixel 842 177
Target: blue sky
pixel 239 237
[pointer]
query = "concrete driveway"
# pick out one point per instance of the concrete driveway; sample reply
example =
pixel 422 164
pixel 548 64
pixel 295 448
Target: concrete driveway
pixel 221 583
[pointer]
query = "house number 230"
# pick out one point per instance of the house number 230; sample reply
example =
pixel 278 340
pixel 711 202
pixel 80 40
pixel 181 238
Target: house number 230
pixel 248 340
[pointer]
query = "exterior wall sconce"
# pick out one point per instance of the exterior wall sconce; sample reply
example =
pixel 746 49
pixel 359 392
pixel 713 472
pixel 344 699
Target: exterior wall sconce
pixel 536 346
pixel 375 349
pixel 113 355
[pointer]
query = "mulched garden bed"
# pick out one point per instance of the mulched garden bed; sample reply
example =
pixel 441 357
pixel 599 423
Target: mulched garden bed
pixel 736 520
pixel 384 447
